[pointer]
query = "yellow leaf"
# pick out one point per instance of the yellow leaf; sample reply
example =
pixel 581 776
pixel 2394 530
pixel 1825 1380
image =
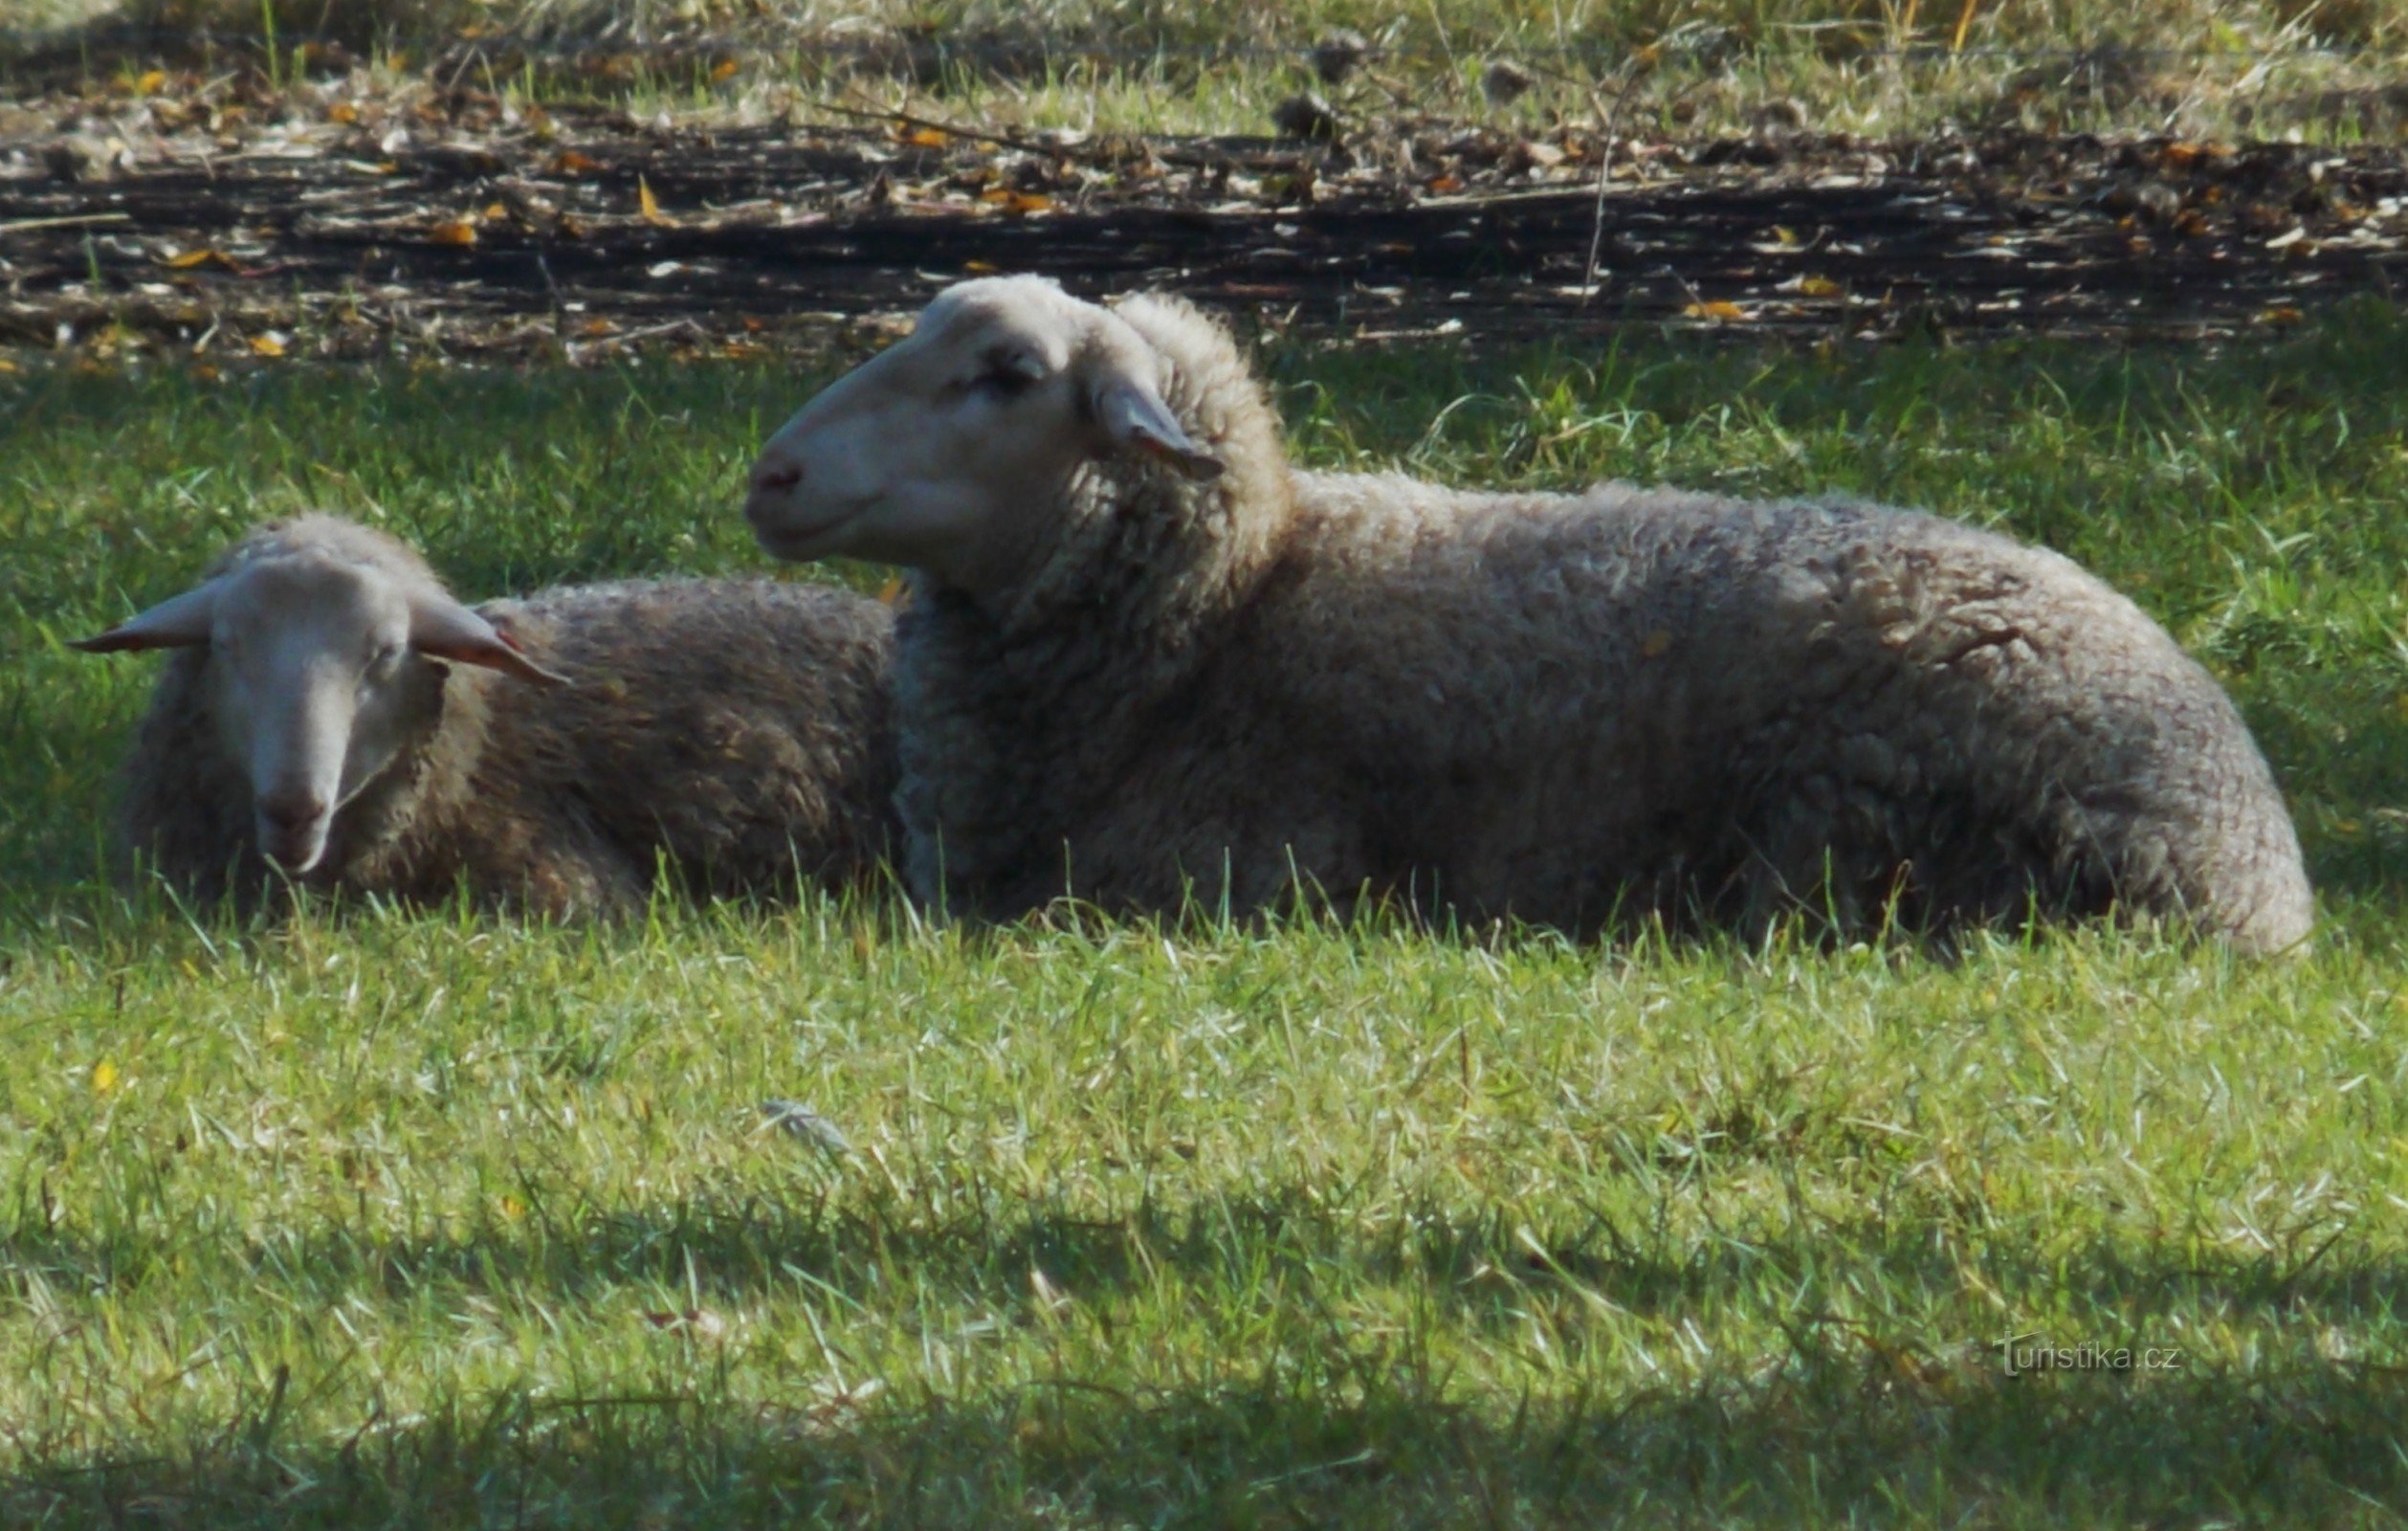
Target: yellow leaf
pixel 494 210
pixel 647 203
pixel 266 345
pixel 1817 286
pixel 725 69
pixel 513 1208
pixel 1656 643
pixel 980 268
pixel 1016 204
pixel 342 112
pixel 456 232
pixel 103 1076
pixel 2281 314
pixel 920 137
pixel 196 257
pixel 150 81
pixel 892 591
pixel 1717 309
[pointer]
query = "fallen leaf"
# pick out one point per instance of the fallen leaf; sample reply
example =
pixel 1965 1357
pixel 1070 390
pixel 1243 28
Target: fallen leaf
pixel 1446 185
pixel 2281 314
pixel 725 69
pixel 342 112
pixel 920 137
pixel 1716 309
pixel 196 257
pixel 980 268
pixel 1016 204
pixel 103 1076
pixel 494 210
pixel 568 162
pixel 456 232
pixel 800 1121
pixel 1818 287
pixel 700 1321
pixel 891 591
pixel 150 81
pixel 647 203
pixel 270 344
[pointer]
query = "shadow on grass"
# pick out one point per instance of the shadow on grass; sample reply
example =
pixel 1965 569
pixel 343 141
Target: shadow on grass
pixel 1479 1268
pixel 1320 1422
pixel 1818 1438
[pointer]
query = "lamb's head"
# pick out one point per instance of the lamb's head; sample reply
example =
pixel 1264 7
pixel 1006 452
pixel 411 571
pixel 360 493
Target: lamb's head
pixel 950 450
pixel 316 677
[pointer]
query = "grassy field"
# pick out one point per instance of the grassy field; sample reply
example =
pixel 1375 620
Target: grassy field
pixel 376 1219
pixel 2328 69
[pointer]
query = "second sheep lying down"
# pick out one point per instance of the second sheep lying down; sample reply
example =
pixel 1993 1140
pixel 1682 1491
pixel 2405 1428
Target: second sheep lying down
pixel 1147 661
pixel 335 711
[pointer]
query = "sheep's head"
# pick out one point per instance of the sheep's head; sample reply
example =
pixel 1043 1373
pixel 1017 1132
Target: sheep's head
pixel 948 450
pixel 310 659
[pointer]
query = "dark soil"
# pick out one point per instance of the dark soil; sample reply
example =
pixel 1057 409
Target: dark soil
pixel 448 224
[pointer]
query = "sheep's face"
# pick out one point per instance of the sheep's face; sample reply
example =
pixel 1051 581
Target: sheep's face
pixel 315 680
pixel 954 451
pixel 309 665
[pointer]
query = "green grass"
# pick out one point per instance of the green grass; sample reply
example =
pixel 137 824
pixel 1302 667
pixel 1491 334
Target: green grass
pixel 428 1219
pixel 1886 68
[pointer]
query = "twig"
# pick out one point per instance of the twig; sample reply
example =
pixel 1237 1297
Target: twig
pixel 1605 172
pixel 1065 151
pixel 26 225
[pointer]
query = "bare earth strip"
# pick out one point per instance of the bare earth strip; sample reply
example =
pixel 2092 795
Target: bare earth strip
pixel 472 230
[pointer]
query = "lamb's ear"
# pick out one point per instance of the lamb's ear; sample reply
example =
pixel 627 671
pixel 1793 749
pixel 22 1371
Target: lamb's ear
pixel 1134 419
pixel 444 627
pixel 180 622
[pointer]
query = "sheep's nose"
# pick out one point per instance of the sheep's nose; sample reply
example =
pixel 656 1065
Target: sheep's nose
pixel 292 810
pixel 776 477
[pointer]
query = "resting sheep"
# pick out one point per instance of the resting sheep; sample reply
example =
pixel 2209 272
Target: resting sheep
pixel 1147 661
pixel 334 711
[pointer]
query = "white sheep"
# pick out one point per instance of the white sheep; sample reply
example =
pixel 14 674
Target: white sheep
pixel 1147 663
pixel 336 712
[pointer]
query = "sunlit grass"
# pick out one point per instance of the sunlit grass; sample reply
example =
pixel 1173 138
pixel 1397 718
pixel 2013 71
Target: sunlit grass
pixel 385 1218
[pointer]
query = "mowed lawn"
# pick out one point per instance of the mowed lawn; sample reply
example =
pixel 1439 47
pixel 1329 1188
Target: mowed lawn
pixel 431 1219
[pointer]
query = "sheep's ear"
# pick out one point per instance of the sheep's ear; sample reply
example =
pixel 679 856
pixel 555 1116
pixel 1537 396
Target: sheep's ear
pixel 1134 419
pixel 445 628
pixel 182 622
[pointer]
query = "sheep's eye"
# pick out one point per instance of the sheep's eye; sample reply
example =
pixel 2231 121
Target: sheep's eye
pixel 1003 382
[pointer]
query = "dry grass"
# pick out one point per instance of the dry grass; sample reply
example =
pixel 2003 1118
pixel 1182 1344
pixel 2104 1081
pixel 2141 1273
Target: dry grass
pixel 2236 67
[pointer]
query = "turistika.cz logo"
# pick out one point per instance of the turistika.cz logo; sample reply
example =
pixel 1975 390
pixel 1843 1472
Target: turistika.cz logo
pixel 2021 1353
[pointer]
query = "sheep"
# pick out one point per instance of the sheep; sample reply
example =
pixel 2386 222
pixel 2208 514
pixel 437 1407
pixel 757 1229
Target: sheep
pixel 1148 664
pixel 336 716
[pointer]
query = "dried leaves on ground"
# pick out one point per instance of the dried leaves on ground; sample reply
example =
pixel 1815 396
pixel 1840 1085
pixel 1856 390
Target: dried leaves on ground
pixel 221 218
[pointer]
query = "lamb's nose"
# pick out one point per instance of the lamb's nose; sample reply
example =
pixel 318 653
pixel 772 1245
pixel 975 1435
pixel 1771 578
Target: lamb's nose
pixel 292 810
pixel 776 477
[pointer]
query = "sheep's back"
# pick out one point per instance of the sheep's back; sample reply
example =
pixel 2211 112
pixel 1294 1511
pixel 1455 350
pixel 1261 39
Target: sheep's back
pixel 741 729
pixel 1720 707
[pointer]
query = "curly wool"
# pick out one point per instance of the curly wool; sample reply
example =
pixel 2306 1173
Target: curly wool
pixel 1576 710
pixel 738 733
